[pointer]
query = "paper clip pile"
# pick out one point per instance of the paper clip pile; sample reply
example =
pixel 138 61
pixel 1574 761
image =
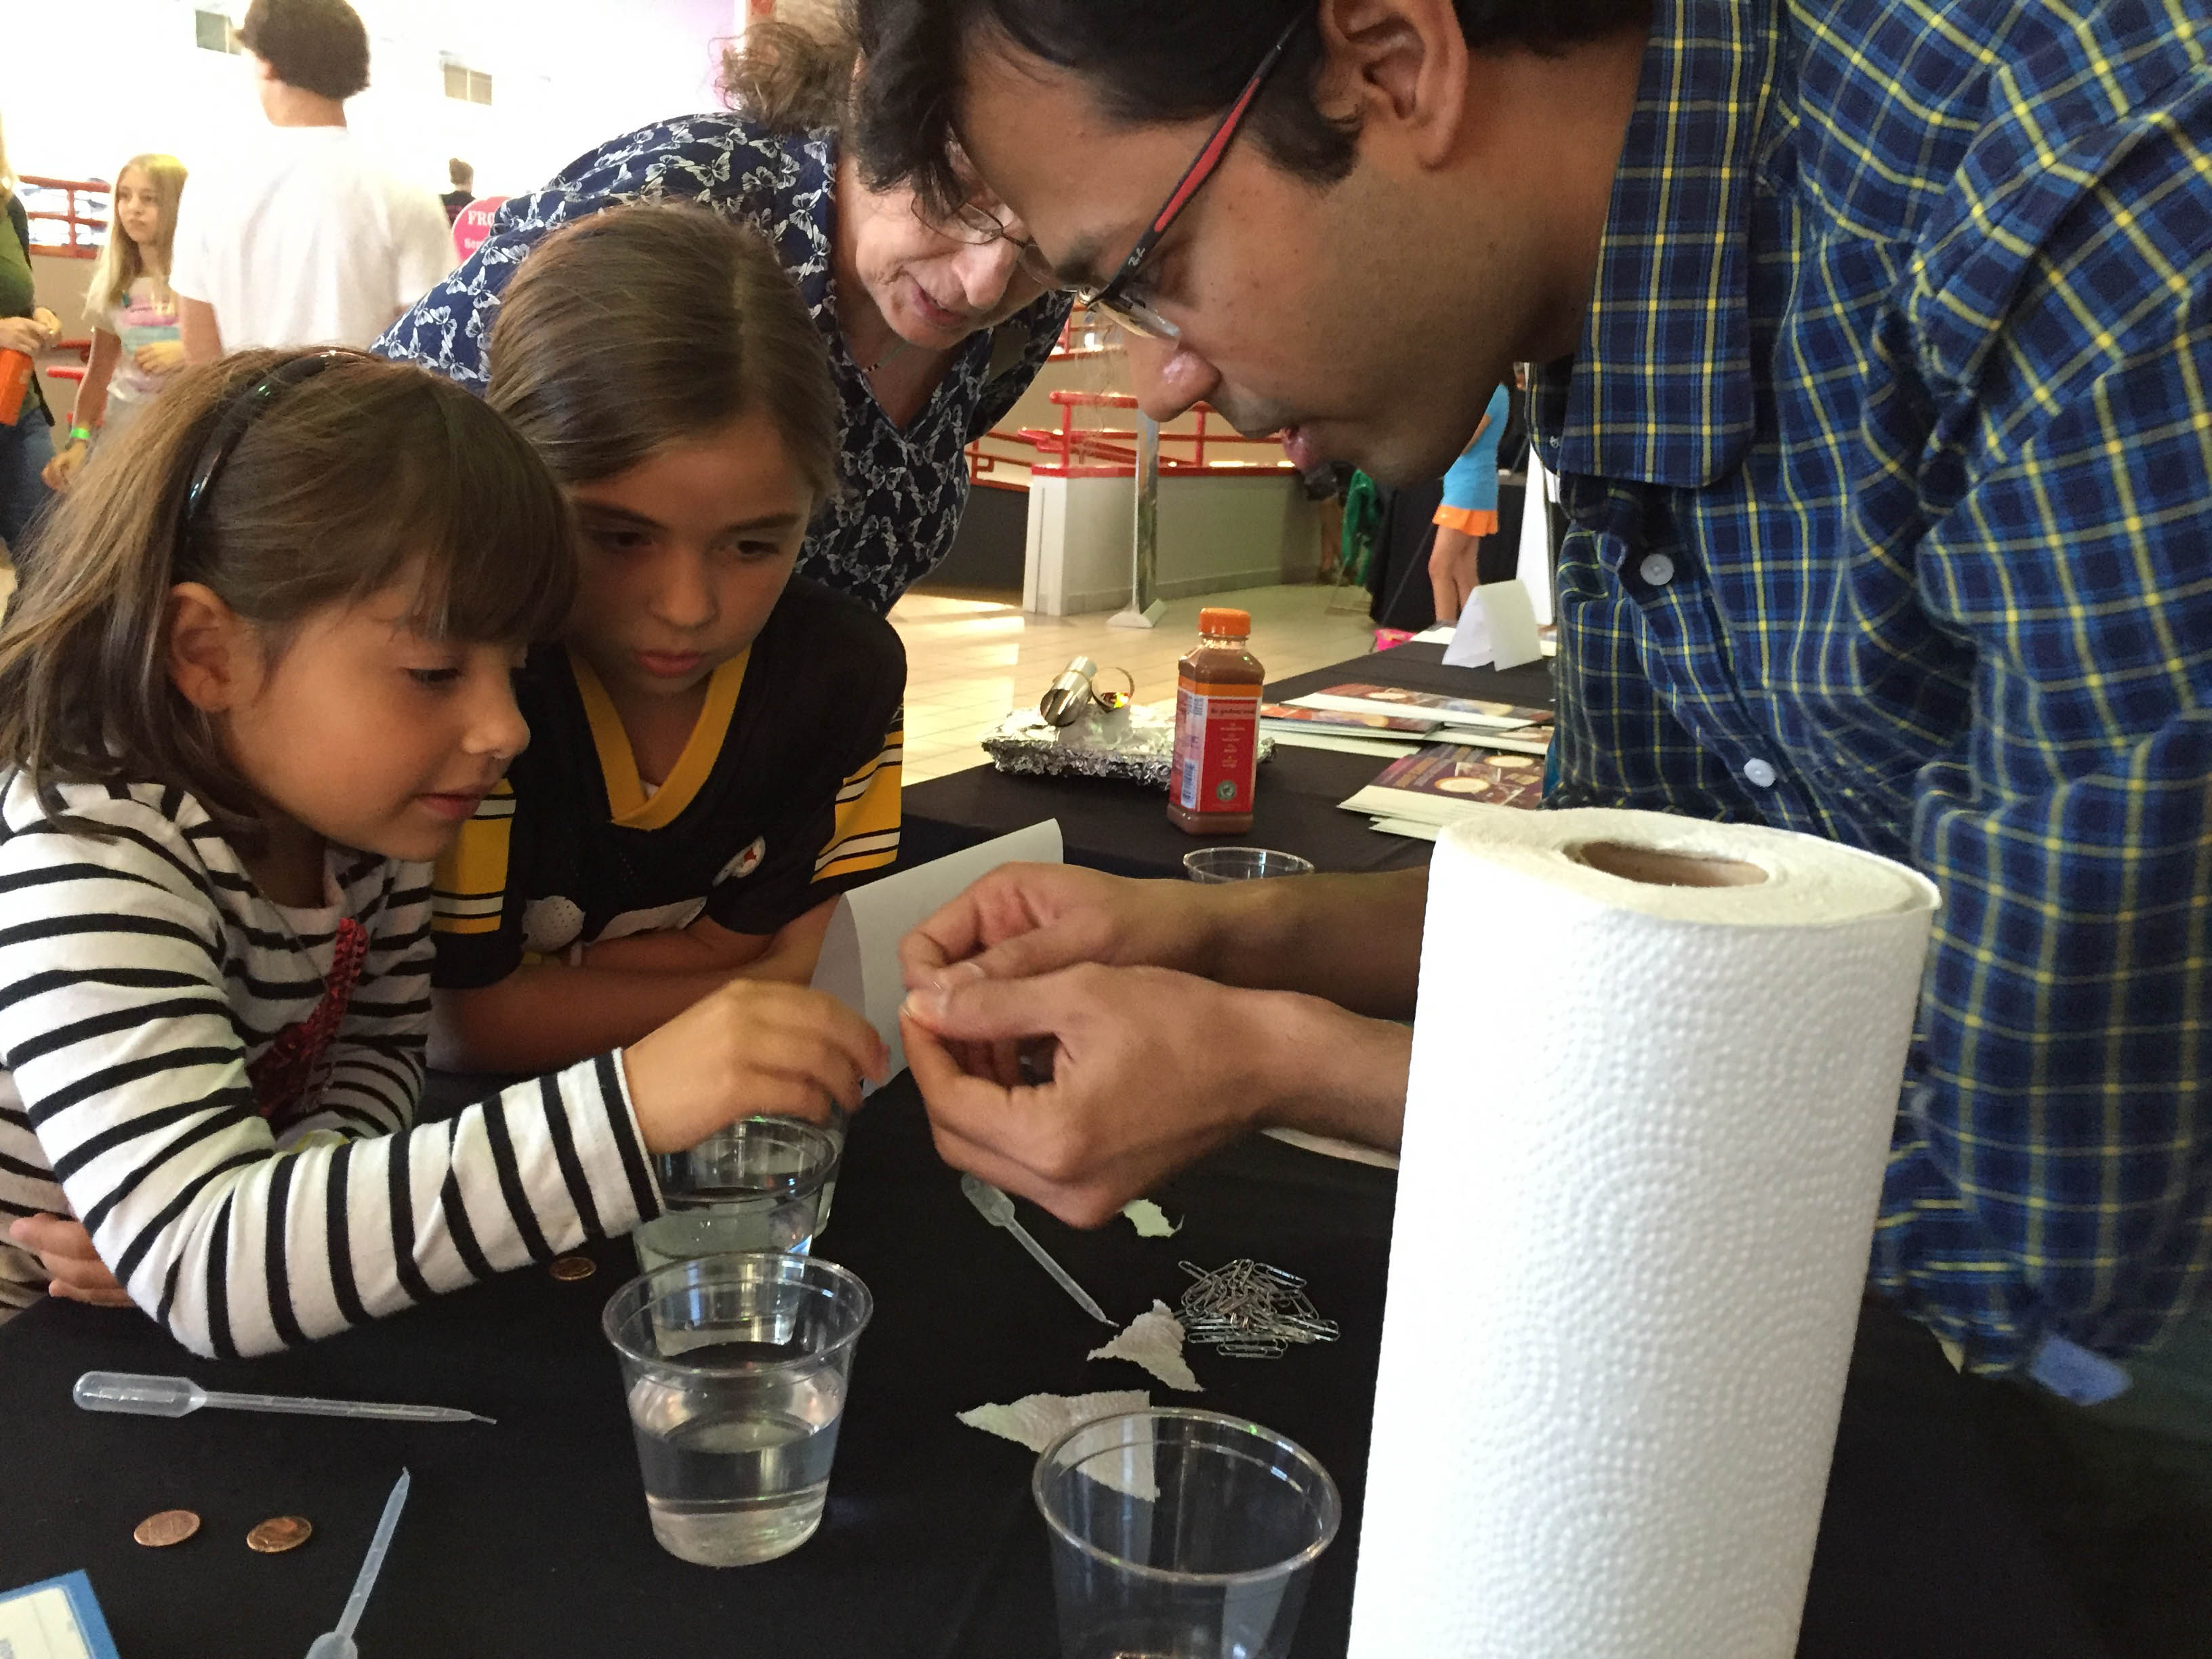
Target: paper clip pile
pixel 1249 1310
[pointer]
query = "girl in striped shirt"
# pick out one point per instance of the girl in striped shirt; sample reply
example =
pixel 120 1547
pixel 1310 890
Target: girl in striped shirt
pixel 258 681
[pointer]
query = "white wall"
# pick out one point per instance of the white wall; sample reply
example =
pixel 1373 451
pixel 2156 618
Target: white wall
pixel 1216 534
pixel 114 77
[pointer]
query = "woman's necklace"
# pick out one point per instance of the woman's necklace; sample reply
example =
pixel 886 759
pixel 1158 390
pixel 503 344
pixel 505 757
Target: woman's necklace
pixel 898 345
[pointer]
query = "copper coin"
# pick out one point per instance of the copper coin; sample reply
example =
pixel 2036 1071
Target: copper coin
pixel 280 1533
pixel 158 1532
pixel 572 1267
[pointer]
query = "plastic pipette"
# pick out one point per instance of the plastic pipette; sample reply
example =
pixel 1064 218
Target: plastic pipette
pixel 995 1207
pixel 338 1644
pixel 176 1396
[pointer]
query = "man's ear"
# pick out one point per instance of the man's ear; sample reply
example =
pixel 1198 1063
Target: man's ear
pixel 1400 66
pixel 213 658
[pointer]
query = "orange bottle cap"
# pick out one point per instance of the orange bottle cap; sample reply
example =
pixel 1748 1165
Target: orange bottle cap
pixel 1220 619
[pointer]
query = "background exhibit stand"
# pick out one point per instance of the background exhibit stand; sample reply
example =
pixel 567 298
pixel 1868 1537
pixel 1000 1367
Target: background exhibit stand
pixel 1145 607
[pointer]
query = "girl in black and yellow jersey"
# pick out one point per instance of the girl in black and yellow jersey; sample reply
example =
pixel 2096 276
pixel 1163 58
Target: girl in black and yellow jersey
pixel 715 751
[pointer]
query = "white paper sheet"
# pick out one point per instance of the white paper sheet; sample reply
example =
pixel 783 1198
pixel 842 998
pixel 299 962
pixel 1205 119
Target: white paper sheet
pixel 1535 569
pixel 859 964
pixel 1497 628
pixel 1512 621
pixel 1470 639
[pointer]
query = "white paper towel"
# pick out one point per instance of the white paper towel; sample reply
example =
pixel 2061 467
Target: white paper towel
pixel 1632 1228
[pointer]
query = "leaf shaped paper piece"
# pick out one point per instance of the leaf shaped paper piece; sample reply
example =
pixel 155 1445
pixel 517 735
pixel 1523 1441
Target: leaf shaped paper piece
pixel 1150 1220
pixel 1154 1340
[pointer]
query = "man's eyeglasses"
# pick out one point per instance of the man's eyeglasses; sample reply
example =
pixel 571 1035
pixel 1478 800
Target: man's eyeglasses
pixel 976 223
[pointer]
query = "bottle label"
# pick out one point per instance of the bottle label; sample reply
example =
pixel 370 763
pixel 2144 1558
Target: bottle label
pixel 1217 746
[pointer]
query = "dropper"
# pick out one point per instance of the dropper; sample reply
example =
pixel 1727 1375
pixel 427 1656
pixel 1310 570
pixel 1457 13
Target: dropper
pixel 177 1396
pixel 995 1207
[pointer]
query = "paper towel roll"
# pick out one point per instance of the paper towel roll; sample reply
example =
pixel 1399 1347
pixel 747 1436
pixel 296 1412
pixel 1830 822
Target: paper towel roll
pixel 1645 1127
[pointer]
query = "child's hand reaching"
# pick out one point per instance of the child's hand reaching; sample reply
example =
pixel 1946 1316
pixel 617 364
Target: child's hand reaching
pixel 74 1268
pixel 752 1046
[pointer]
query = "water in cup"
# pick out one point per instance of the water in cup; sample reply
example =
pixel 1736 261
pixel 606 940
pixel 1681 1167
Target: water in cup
pixel 735 1476
pixel 735 1371
pixel 749 1221
pixel 759 1185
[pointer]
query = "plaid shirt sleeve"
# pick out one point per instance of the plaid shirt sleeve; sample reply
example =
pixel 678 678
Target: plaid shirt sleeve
pixel 1940 588
pixel 2051 1164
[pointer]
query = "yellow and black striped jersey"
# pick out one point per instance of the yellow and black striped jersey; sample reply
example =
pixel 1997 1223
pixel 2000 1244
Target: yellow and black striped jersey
pixel 787 793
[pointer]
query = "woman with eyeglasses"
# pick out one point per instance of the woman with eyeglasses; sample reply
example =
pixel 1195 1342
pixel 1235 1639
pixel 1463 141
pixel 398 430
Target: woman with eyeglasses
pixel 934 327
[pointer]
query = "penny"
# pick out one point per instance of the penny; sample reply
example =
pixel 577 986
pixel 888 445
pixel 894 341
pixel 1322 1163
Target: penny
pixel 158 1532
pixel 572 1267
pixel 280 1533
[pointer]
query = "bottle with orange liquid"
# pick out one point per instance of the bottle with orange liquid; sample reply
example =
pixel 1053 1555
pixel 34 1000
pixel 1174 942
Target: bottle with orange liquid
pixel 15 372
pixel 1217 748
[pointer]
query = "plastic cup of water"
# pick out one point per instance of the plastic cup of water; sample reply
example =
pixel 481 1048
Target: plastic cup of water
pixel 1220 864
pixel 757 1185
pixel 735 1368
pixel 1181 1534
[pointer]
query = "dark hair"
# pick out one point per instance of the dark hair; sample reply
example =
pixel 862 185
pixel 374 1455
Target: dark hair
pixel 462 175
pixel 790 79
pixel 316 46
pixel 1148 61
pixel 346 482
pixel 646 324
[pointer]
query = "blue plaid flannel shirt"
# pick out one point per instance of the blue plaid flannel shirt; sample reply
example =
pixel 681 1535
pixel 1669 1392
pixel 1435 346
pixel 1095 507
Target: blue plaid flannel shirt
pixel 1889 452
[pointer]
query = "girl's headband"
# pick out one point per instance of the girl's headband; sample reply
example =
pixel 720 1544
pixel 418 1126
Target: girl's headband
pixel 239 413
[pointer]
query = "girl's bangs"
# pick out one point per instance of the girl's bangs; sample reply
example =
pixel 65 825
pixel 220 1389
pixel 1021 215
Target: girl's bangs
pixel 485 530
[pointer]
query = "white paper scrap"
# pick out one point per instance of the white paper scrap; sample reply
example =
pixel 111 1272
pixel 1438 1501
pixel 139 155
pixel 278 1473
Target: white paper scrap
pixel 1470 639
pixel 1154 1340
pixel 1512 624
pixel 1036 1420
pixel 1149 1219
pixel 859 965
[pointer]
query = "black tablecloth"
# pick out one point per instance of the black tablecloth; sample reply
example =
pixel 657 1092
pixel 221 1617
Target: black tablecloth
pixel 1124 829
pixel 531 1538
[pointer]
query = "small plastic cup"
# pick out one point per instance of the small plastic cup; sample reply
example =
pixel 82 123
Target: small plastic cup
pixel 1182 1533
pixel 735 1369
pixel 757 1185
pixel 1218 863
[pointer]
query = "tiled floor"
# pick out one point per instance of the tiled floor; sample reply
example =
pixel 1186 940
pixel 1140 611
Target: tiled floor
pixel 969 662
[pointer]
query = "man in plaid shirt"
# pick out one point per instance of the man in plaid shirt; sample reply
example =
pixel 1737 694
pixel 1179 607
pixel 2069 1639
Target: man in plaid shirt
pixel 1879 348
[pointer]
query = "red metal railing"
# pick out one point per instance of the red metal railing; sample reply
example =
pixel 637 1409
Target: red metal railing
pixel 84 229
pixel 1069 451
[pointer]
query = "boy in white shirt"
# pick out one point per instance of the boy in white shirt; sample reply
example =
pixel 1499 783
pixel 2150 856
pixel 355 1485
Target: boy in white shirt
pixel 303 240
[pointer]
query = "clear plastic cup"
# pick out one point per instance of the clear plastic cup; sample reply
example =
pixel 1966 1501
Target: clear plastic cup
pixel 1181 1534
pixel 735 1369
pixel 759 1185
pixel 1217 864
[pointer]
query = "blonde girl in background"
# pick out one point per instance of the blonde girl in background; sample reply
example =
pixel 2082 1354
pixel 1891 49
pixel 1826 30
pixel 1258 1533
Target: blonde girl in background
pixel 134 344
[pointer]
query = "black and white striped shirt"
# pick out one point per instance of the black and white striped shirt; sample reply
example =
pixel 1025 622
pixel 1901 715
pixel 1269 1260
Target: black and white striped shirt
pixel 141 973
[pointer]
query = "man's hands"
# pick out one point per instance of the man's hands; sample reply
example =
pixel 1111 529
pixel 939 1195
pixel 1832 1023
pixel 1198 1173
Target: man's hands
pixel 1024 918
pixel 1148 1070
pixel 1144 1070
pixel 73 1268
pixel 749 1047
